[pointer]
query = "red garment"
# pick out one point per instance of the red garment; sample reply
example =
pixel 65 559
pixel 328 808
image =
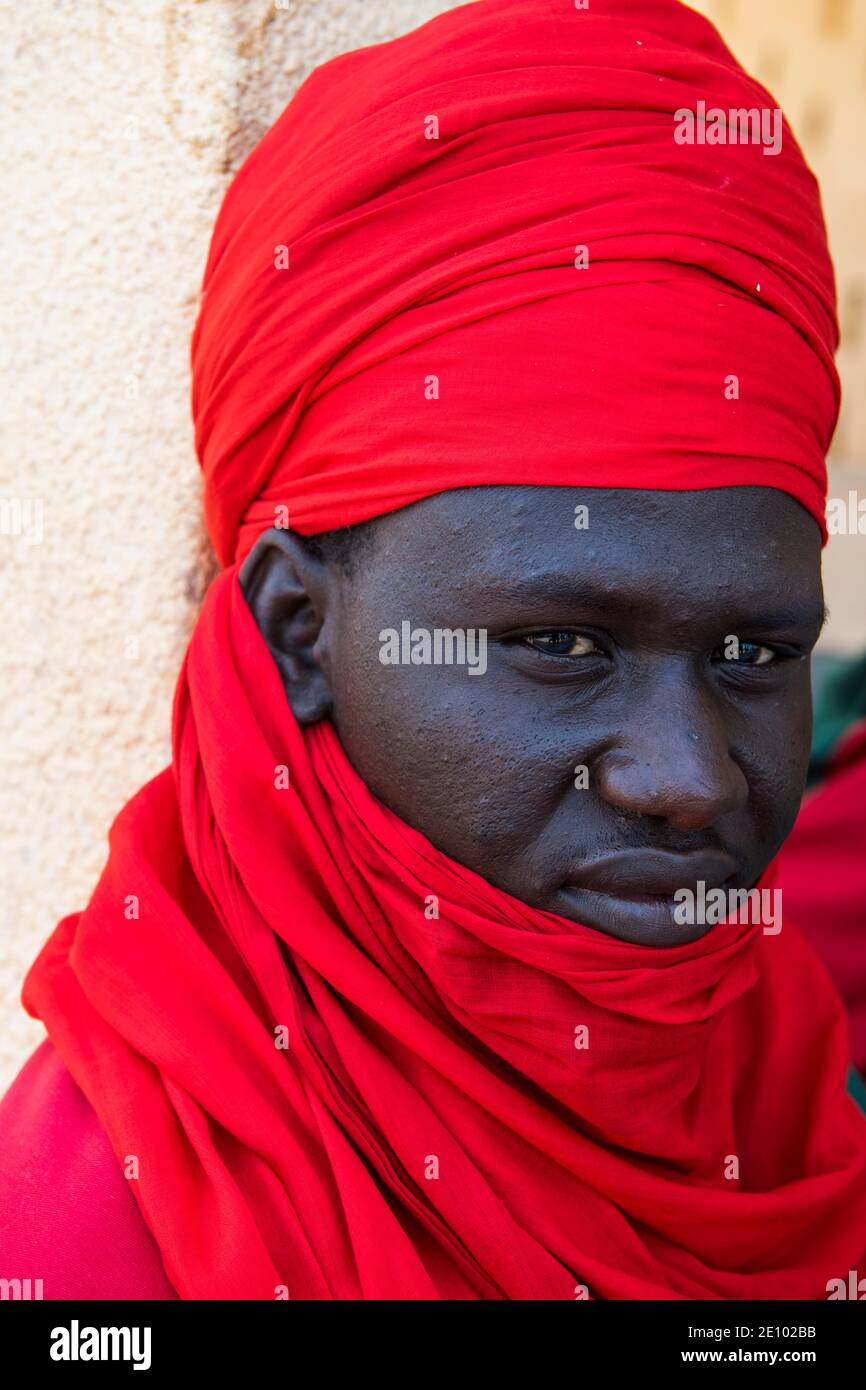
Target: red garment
pixel 432 1130
pixel 455 258
pixel 823 878
pixel 68 1217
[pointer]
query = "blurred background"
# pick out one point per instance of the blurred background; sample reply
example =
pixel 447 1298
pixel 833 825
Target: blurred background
pixel 123 124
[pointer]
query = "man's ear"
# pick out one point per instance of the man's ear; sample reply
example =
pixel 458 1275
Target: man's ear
pixel 288 591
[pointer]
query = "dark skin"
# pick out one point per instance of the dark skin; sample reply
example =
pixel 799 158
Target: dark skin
pixel 605 649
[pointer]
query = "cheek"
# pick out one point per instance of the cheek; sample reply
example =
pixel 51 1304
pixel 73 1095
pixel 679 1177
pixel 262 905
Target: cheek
pixel 774 753
pixel 452 754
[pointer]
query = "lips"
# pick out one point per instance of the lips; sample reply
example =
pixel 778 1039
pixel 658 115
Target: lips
pixel 630 895
pixel 654 872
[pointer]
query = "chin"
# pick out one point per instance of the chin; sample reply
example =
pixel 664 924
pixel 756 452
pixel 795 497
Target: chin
pixel 642 919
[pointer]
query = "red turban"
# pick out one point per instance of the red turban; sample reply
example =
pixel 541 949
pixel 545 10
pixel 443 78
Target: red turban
pixel 581 285
pixel 328 1092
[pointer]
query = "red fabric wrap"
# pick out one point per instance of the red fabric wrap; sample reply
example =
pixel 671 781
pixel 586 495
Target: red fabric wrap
pixel 455 258
pixel 413 1040
pixel 431 1129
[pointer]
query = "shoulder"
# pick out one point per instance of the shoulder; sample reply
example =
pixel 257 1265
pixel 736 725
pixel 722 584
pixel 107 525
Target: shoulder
pixel 67 1214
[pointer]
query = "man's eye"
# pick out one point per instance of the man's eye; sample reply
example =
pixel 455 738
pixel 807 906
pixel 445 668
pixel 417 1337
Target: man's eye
pixel 562 643
pixel 747 653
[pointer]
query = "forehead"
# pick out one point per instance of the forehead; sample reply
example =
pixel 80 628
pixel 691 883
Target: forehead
pixel 748 545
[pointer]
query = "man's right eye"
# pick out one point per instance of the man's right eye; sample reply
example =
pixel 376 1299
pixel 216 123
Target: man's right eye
pixel 559 643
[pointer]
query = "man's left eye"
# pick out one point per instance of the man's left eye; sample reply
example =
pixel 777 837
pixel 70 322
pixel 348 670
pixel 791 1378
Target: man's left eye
pixel 747 653
pixel 562 643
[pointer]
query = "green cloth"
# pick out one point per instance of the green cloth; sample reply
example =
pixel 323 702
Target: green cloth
pixel 840 700
pixel 856 1088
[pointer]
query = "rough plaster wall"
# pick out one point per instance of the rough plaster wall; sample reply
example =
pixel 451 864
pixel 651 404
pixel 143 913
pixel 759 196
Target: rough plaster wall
pixel 125 121
pixel 113 159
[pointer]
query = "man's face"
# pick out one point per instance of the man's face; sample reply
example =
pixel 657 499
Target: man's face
pixel 664 648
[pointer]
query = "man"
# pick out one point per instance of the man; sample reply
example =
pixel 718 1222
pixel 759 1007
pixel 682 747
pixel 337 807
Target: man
pixel 446 960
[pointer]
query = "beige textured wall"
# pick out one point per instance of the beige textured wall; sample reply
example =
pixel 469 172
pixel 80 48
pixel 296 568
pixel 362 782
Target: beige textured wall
pixel 812 56
pixel 125 120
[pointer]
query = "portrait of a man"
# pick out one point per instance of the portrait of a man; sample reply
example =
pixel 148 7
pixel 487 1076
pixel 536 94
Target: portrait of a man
pixel 450 956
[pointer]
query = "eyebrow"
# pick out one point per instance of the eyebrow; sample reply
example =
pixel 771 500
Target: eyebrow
pixel 555 588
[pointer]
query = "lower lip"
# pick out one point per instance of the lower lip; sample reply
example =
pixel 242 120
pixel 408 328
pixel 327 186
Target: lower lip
pixel 646 919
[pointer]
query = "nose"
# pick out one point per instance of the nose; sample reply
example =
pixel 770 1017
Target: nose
pixel 673 759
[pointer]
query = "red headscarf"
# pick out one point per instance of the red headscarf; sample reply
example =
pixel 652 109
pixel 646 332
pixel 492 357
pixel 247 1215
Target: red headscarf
pixel 329 1089
pixel 581 285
